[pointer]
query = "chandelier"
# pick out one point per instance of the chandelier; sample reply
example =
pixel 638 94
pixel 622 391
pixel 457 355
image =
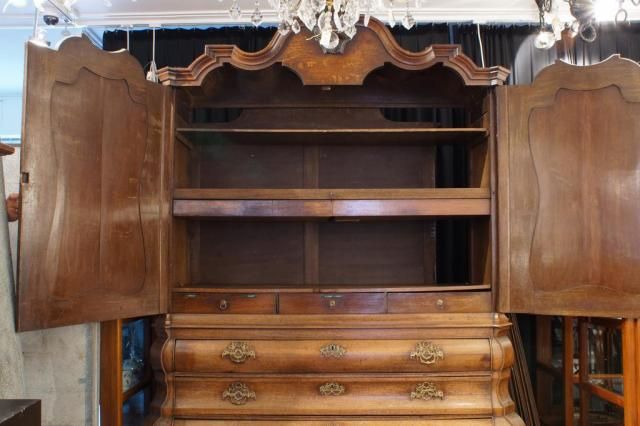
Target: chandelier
pixel 583 18
pixel 332 22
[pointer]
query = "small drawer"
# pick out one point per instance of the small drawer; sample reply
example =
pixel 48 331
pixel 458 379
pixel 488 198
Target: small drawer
pixel 334 356
pixel 454 302
pixel 320 395
pixel 224 303
pixel 332 303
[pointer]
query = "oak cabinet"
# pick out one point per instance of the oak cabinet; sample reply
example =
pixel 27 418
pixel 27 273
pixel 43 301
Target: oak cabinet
pixel 332 237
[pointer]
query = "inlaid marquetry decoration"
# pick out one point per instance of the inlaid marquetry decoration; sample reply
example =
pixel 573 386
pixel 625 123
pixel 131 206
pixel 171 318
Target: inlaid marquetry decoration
pixel 333 350
pixel 427 353
pixel 238 352
pixel 238 393
pixel 427 391
pixel 332 389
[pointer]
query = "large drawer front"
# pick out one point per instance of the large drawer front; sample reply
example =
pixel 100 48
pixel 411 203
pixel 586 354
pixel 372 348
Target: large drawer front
pixel 333 395
pixel 339 356
pixel 395 421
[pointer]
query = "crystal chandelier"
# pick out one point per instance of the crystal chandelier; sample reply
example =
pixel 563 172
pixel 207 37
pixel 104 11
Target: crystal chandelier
pixel 584 15
pixel 332 22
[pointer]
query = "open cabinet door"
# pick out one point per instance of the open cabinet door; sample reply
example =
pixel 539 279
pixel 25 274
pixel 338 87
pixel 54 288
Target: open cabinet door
pixel 569 191
pixel 93 224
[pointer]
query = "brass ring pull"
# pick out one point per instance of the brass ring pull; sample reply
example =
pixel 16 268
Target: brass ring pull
pixel 223 305
pixel 238 352
pixel 333 350
pixel 332 389
pixel 238 393
pixel 426 391
pixel 427 353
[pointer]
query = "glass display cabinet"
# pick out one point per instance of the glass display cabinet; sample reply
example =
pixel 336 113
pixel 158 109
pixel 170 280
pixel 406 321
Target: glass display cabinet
pixel 125 371
pixel 586 371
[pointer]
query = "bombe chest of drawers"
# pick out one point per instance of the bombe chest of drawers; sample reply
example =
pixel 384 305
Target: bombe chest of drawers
pixel 327 238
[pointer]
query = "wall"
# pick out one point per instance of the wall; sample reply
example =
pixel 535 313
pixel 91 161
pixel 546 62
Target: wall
pixel 59 366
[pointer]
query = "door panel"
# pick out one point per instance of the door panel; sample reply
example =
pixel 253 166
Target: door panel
pixel 569 192
pixel 93 213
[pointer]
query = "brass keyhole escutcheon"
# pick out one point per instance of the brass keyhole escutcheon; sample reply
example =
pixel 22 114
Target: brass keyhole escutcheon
pixel 332 389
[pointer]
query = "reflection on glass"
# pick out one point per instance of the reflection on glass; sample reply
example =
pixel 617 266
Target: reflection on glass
pixel 134 335
pixel 605 357
pixel 603 413
pixel 135 408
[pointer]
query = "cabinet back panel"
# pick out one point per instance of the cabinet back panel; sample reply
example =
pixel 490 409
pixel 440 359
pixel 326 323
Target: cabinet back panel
pixel 224 165
pixel 251 252
pixel 376 166
pixel 373 252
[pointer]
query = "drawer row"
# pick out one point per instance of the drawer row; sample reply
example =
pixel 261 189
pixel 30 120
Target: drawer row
pixel 335 356
pixel 341 421
pixel 331 395
pixel 330 303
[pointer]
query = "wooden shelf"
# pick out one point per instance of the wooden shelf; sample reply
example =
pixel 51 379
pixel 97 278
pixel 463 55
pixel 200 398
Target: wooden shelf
pixel 328 288
pixel 206 134
pixel 327 203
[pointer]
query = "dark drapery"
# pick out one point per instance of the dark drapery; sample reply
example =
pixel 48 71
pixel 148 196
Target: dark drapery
pixel 507 45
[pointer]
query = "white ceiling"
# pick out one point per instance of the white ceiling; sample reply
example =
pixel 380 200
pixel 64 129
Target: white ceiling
pixel 199 12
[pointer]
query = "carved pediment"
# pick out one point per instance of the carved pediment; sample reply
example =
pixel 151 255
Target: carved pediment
pixel 371 48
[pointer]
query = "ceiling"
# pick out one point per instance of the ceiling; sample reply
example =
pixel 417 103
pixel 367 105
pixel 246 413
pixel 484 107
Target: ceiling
pixel 199 12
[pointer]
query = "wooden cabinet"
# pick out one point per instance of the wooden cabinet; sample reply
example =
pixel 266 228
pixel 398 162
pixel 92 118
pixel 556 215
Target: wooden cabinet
pixel 568 154
pixel 332 236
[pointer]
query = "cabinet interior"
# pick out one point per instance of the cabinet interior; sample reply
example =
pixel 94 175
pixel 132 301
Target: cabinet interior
pixel 327 190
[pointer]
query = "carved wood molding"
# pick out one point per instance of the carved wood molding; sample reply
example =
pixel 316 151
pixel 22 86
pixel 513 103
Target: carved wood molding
pixel 372 47
pixel 613 71
pixel 74 54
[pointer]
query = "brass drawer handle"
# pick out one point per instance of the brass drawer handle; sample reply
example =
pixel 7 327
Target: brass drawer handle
pixel 223 305
pixel 332 389
pixel 427 391
pixel 333 350
pixel 238 393
pixel 238 352
pixel 427 353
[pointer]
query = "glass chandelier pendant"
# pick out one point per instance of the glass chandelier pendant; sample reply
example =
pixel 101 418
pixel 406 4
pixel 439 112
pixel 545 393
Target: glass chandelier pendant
pixel 235 12
pixel 391 20
pixel 408 21
pixel 256 16
pixel 330 21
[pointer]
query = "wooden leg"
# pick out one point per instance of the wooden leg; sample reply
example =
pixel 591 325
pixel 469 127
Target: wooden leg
pixel 111 373
pixel 629 371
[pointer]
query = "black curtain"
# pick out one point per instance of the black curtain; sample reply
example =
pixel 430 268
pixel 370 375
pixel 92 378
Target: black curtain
pixel 508 45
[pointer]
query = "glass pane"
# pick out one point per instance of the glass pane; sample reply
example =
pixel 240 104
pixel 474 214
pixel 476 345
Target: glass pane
pixel 135 408
pixel 603 413
pixel 134 346
pixel 605 357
